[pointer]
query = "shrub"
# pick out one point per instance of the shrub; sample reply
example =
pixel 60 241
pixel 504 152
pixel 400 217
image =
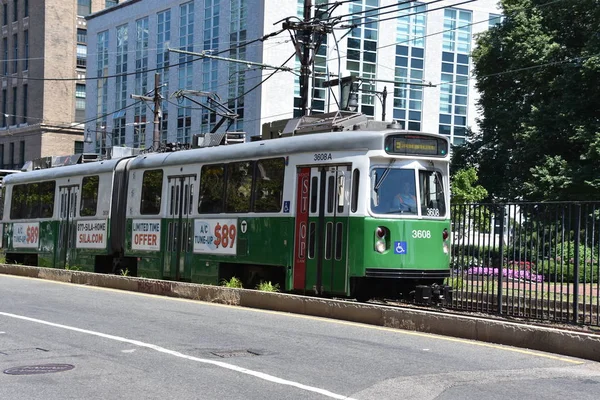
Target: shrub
pixel 555 271
pixel 232 283
pixel 267 287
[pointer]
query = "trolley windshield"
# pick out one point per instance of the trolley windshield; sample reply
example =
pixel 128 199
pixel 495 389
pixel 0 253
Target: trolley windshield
pixel 398 191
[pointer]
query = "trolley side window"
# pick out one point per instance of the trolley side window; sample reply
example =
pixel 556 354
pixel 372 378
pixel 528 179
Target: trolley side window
pixel 32 200
pixel 268 188
pixel 433 203
pixel 239 187
pixel 89 196
pixel 47 192
pixel 211 189
pixel 18 208
pixel 152 183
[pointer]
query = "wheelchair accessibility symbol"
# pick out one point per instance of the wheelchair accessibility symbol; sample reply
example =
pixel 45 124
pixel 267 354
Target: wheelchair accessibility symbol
pixel 400 248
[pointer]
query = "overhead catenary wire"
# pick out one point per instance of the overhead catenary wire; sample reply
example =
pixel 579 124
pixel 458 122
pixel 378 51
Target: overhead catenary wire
pixel 411 14
pixel 92 78
pixel 372 12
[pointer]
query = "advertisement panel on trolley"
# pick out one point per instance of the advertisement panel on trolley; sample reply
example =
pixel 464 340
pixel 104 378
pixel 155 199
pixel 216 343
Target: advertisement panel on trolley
pixel 215 236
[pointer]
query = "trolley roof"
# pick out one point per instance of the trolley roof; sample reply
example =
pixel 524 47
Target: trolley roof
pixel 62 172
pixel 316 142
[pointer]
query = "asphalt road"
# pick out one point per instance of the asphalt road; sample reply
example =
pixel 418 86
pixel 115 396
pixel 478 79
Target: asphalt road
pixel 126 345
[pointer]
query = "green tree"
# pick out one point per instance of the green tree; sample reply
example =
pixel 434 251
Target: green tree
pixel 538 74
pixel 464 188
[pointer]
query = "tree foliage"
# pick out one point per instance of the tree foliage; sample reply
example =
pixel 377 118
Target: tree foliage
pixel 464 188
pixel 538 74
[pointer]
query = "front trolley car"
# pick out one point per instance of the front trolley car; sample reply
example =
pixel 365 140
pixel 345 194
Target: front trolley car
pixel 355 213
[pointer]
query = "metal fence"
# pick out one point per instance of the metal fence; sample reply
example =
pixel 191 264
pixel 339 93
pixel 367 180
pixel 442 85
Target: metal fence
pixel 537 261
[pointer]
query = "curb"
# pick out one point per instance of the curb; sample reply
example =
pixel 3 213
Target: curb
pixel 551 340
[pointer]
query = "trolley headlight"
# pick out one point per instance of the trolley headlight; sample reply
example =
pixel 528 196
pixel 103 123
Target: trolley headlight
pixel 445 239
pixel 381 239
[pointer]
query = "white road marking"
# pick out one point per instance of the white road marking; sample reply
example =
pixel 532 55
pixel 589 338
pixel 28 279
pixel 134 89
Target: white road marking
pixel 231 367
pixel 128 351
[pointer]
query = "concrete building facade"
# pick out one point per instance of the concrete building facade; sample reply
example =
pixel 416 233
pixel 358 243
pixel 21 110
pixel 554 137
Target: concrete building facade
pixel 412 58
pixel 42 64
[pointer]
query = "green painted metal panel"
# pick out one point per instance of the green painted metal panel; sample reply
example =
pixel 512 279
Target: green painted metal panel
pixel 423 245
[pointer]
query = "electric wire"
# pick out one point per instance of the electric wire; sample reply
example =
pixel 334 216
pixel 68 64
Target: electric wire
pixel 92 78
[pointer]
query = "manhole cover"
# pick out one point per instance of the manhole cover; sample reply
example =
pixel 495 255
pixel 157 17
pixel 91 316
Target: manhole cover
pixel 235 353
pixel 38 369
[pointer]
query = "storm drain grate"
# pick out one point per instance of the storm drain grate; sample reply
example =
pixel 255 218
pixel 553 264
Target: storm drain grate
pixel 39 369
pixel 235 353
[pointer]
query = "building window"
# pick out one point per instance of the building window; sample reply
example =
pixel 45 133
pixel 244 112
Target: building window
pixel 119 131
pixel 26 44
pixel 141 81
pixel 494 19
pixel 237 76
pixel 102 85
pixel 81 36
pixel 210 67
pixel 4 14
pixel 26 8
pixel 79 102
pixel 84 7
pixel 186 42
pixel 121 85
pixel 22 152
pixel 163 39
pixel 15 53
pixel 454 89
pixel 78 147
pixel 11 156
pixel 5 48
pixel 410 60
pixel 81 55
pixel 362 51
pixel 15 10
pixel 4 104
pixel 110 3
pixel 25 96
pixel 2 156
pixel 13 117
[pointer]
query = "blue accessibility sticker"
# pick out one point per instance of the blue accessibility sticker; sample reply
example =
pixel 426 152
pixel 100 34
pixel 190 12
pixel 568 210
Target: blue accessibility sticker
pixel 286 206
pixel 400 248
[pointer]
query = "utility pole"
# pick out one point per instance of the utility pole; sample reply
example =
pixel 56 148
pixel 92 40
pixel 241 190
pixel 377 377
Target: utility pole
pixel 306 42
pixel 157 111
pixel 305 63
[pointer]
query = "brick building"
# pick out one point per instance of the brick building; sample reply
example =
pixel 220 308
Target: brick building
pixel 43 53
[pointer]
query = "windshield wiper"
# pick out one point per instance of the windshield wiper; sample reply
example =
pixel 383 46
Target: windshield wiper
pixel 385 174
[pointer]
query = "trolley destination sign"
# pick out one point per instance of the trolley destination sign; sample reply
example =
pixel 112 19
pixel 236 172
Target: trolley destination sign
pixel 416 145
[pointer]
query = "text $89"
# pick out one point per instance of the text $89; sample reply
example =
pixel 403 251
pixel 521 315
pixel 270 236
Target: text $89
pixel 225 235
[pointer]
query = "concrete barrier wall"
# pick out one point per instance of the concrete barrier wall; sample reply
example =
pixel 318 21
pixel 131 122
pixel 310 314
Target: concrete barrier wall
pixel 557 341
